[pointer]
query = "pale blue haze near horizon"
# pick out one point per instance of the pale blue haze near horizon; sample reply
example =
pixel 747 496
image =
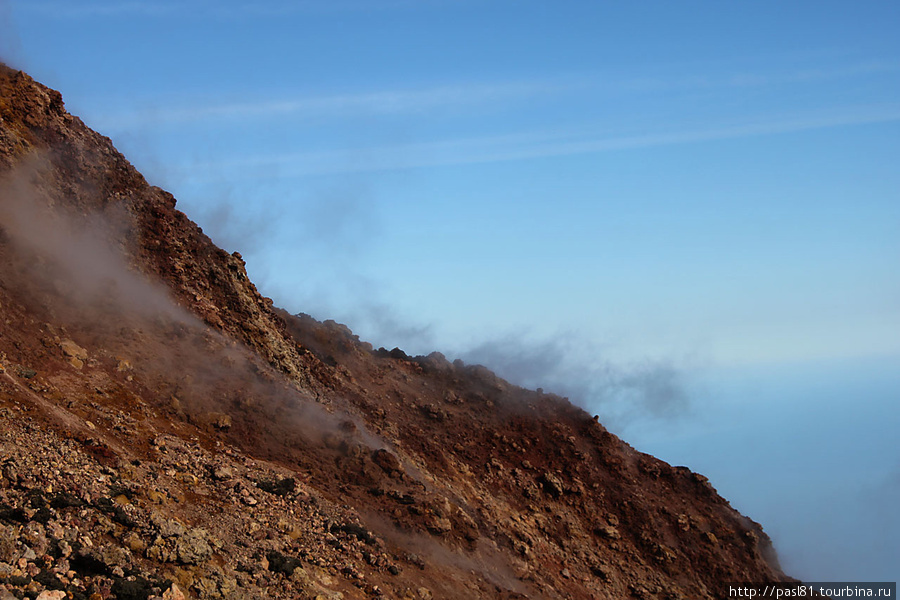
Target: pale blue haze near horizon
pixel 683 215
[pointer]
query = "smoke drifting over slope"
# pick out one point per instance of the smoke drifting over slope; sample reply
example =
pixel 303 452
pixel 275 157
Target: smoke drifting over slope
pixel 327 232
pixel 81 256
pixel 79 270
pixel 621 394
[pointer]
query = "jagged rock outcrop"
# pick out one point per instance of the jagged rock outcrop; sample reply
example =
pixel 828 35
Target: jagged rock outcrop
pixel 166 432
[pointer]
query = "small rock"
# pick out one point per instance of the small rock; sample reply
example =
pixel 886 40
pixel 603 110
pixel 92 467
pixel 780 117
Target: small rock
pixel 75 354
pixel 134 542
pixel 25 372
pixel 601 572
pixel 65 550
pixel 113 555
pixel 424 593
pixel 223 473
pixel 607 532
pixel 551 484
pixel 300 576
pixel 192 548
pixel 387 461
pixel 156 497
pixel 167 527
pixel 220 421
pixel 173 593
pixel 439 525
pixel 7 544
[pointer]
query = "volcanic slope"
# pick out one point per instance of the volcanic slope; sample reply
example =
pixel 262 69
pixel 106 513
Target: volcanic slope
pixel 164 430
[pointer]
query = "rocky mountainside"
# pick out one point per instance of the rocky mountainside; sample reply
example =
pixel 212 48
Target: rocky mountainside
pixel 166 432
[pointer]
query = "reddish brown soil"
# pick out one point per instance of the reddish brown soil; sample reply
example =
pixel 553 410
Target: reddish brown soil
pixel 139 358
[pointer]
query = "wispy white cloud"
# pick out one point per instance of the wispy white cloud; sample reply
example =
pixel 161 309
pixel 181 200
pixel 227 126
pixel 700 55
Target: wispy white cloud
pixel 500 94
pixel 531 145
pixel 84 10
pixel 750 78
pixel 385 102
pixel 226 9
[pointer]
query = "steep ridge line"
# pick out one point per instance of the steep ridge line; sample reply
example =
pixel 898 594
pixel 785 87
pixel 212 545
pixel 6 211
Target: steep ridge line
pixel 253 453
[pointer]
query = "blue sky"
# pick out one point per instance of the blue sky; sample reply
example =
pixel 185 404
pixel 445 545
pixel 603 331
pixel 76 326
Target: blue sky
pixel 642 205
